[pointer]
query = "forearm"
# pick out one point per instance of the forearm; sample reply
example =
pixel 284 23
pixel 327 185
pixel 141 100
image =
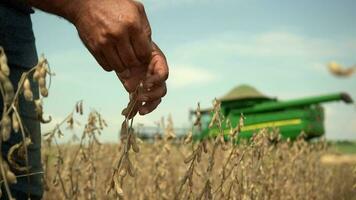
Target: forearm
pixel 63 8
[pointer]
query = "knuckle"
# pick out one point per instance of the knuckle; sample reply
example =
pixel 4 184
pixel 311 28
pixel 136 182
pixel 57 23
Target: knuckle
pixel 131 23
pixel 114 32
pixel 103 41
pixel 166 75
pixel 106 68
pixel 104 65
pixel 149 32
pixel 118 32
pixel 140 6
pixel 164 92
pixel 163 57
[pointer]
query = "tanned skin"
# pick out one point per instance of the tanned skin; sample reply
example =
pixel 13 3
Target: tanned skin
pixel 118 34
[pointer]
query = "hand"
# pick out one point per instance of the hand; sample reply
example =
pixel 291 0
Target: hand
pixel 116 32
pixel 154 82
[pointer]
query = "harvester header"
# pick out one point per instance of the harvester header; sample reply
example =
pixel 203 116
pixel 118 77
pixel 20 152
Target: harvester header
pixel 291 117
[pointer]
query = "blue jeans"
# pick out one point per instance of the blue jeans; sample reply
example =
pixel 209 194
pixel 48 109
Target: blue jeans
pixel 16 37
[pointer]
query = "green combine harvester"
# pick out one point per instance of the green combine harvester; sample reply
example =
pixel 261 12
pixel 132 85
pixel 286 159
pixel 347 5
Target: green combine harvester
pixel 291 117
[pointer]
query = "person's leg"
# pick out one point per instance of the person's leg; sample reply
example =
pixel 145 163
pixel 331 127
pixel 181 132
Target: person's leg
pixel 20 196
pixel 17 39
pixel 28 184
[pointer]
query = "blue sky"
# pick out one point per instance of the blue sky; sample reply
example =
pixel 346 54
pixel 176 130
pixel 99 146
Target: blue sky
pixel 280 47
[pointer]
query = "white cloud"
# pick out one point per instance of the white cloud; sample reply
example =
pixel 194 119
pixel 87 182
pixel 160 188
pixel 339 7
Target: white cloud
pixel 267 45
pixel 189 75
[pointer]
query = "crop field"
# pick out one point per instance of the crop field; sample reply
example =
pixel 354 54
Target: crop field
pixel 260 170
pixel 170 168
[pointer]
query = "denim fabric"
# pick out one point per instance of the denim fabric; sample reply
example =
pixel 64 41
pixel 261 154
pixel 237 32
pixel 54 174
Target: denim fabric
pixel 20 5
pixel 17 38
pixel 20 196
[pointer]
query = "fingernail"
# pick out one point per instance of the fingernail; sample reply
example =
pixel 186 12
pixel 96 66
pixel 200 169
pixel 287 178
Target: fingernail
pixel 125 74
pixel 144 111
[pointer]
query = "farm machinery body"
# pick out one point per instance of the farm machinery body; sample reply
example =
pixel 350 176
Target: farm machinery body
pixel 291 117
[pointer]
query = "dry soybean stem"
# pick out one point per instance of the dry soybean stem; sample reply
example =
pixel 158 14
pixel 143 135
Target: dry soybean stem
pixel 129 140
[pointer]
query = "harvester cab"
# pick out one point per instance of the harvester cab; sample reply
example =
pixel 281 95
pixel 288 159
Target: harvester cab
pixel 291 118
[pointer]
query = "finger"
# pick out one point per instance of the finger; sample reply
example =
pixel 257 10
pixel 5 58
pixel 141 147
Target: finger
pixel 141 40
pixel 149 107
pixel 100 58
pixel 98 55
pixel 145 21
pixel 131 113
pixel 146 24
pixel 126 73
pixel 142 47
pixel 114 61
pixel 132 108
pixel 153 94
pixel 158 73
pixel 127 53
pixel 103 63
pixel 132 82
